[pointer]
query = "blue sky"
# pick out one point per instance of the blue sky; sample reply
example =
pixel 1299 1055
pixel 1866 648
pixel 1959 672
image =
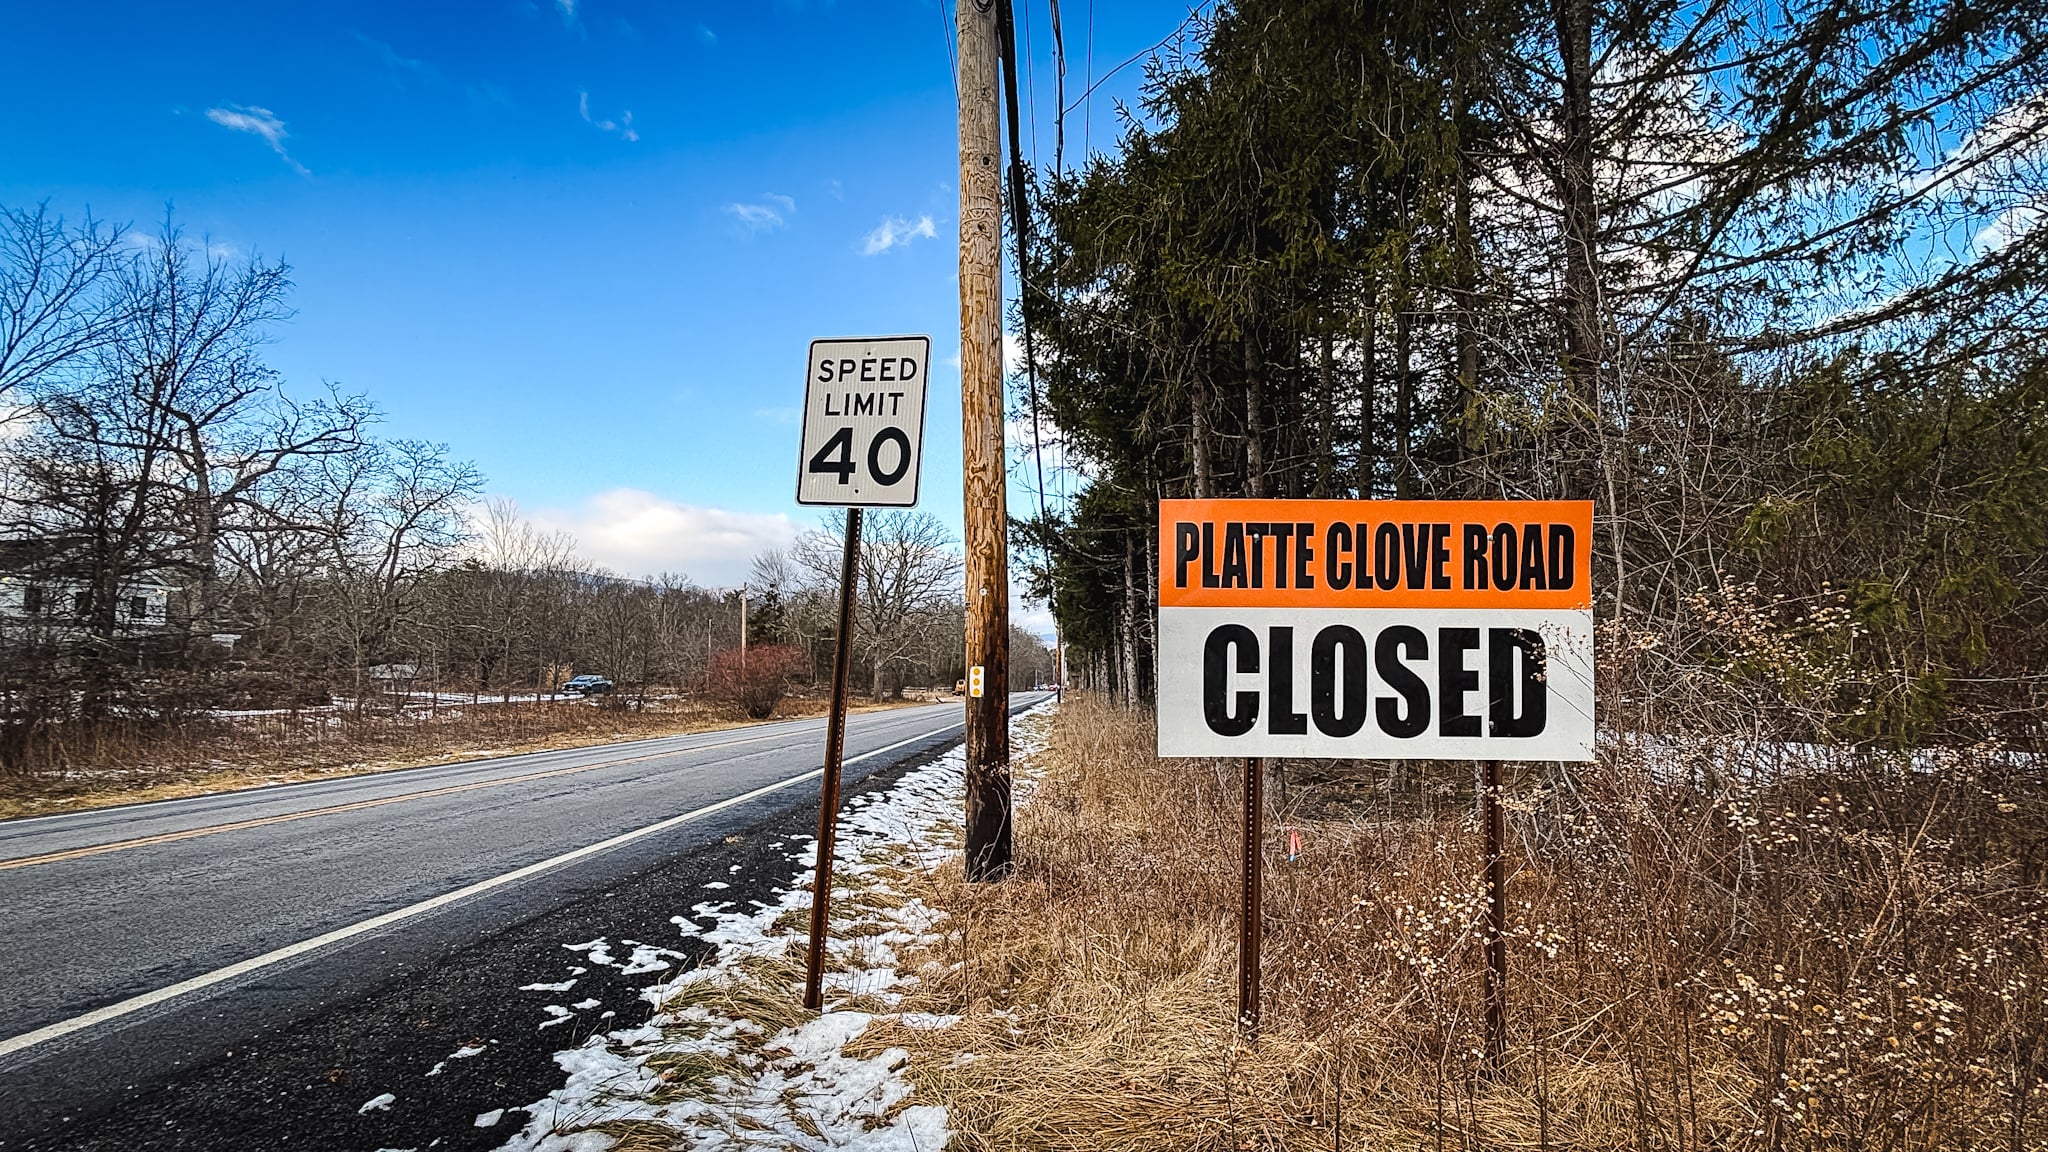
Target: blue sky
pixel 583 244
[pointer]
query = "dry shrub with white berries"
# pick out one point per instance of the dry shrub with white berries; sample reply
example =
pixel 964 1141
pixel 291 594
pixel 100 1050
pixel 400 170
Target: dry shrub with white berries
pixel 1719 938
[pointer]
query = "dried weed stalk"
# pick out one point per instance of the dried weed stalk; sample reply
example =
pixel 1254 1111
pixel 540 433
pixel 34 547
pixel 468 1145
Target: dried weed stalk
pixel 1715 942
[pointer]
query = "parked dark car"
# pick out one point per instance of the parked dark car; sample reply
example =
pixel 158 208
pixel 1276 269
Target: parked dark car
pixel 588 685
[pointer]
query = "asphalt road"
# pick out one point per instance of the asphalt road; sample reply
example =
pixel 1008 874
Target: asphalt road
pixel 144 941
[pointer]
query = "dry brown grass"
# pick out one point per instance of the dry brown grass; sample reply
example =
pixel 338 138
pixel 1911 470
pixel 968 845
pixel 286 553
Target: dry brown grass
pixel 95 766
pixel 1845 959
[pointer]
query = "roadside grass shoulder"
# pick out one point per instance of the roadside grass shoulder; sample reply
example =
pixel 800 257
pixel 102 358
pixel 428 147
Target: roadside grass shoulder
pixel 1853 956
pixel 732 1058
pixel 1830 961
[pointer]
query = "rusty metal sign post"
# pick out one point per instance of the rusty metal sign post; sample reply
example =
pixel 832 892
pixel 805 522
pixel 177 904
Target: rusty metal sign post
pixel 1251 920
pixel 1496 919
pixel 828 791
pixel 862 447
pixel 1364 629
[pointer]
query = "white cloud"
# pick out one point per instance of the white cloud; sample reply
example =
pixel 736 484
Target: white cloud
pixel 706 34
pixel 568 8
pixel 261 122
pixel 769 213
pixel 1032 617
pixel 623 125
pixel 637 533
pixel 895 231
pixel 403 69
pixel 755 216
pixel 779 415
pixel 391 58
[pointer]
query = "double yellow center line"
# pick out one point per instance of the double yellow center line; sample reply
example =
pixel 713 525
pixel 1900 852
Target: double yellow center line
pixel 356 806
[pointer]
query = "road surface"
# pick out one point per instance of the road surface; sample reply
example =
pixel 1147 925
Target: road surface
pixel 144 939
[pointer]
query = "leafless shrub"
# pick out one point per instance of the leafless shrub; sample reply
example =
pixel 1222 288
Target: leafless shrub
pixel 1714 943
pixel 753 680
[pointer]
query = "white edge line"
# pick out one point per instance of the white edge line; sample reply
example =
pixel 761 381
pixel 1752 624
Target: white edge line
pixel 51 1032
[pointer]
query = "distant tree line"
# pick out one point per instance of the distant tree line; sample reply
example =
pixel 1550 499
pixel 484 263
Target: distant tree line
pixel 1763 281
pixel 180 532
pixel 909 618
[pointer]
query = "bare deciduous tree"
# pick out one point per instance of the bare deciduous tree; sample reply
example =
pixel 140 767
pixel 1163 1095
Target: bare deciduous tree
pixel 907 588
pixel 53 307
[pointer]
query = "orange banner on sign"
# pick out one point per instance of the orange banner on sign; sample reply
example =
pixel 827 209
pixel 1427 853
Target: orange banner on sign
pixel 1375 553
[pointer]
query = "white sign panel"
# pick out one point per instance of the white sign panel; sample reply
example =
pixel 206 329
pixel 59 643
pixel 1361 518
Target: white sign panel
pixel 1338 629
pixel 864 422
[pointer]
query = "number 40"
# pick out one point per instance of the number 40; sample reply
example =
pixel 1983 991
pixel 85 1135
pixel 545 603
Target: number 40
pixel 836 455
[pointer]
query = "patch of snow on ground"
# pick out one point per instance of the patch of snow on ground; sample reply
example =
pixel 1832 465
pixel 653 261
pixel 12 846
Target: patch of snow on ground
pixel 648 958
pixel 377 1104
pixel 594 950
pixel 723 1082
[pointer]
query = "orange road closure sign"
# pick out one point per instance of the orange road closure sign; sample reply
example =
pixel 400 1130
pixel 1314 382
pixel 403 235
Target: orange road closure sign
pixel 1424 629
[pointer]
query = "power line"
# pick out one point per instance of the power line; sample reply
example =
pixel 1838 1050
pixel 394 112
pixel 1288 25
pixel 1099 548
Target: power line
pixel 1059 91
pixel 1031 82
pixel 1088 112
pixel 1020 226
pixel 952 51
pixel 1194 14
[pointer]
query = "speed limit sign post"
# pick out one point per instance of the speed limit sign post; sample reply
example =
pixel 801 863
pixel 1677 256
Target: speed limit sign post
pixel 862 448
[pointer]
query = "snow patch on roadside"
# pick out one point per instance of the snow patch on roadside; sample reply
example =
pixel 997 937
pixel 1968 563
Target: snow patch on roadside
pixel 722 1080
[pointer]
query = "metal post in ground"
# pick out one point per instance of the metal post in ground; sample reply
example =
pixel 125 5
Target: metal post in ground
pixel 1251 921
pixel 828 789
pixel 1496 921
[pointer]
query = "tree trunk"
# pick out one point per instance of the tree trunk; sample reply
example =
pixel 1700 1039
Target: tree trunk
pixel 1148 665
pixel 1467 264
pixel 1198 436
pixel 1130 628
pixel 1293 405
pixel 1254 418
pixel 1326 462
pixel 1404 402
pixel 1581 222
pixel 1368 388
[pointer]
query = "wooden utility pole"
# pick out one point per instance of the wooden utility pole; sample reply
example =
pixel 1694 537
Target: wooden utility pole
pixel 981 417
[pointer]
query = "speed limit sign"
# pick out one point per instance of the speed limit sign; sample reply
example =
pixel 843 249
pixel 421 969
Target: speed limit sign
pixel 863 421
